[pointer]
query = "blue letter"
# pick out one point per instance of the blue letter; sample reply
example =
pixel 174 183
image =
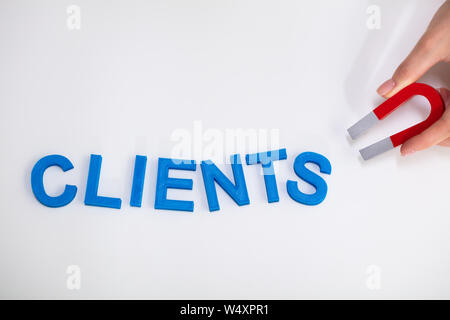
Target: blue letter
pixel 266 158
pixel 163 182
pixel 37 181
pixel 212 174
pixel 310 177
pixel 138 181
pixel 91 198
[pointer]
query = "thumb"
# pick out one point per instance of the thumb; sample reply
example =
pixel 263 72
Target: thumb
pixel 436 133
pixel 412 68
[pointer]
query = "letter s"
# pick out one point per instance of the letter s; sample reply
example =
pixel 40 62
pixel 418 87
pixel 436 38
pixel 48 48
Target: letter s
pixel 37 181
pixel 310 177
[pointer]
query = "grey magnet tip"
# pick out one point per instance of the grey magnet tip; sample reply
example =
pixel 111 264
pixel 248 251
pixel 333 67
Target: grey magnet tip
pixel 362 125
pixel 376 148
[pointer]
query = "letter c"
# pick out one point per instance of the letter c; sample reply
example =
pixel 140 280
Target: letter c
pixel 37 181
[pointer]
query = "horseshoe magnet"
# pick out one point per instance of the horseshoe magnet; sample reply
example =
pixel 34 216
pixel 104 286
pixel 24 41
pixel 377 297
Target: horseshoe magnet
pixel 384 109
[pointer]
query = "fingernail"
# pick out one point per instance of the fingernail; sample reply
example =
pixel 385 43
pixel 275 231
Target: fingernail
pixel 407 152
pixel 386 87
pixel 444 94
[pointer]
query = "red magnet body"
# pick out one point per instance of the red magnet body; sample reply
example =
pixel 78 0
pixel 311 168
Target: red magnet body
pixel 387 107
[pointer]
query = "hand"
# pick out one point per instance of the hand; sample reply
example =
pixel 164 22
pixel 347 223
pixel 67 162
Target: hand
pixel 433 47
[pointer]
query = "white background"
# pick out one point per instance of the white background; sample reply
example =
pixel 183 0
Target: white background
pixel 137 71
